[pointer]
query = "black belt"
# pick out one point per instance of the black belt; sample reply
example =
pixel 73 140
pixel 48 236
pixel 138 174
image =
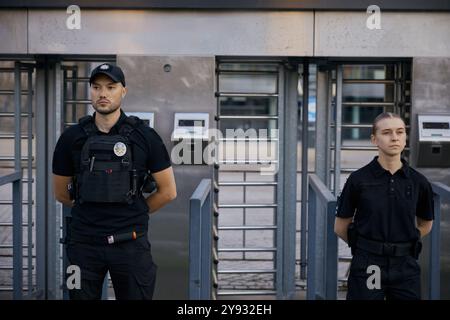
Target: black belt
pixel 385 248
pixel 111 239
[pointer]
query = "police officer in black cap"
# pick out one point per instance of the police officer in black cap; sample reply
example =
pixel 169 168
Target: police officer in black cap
pixel 384 210
pixel 101 168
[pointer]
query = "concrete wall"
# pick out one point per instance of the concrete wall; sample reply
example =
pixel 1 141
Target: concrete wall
pixel 209 33
pixel 13 31
pixel 172 33
pixel 401 35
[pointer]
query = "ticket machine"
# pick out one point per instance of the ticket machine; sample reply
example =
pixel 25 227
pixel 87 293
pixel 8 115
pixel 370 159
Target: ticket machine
pixel 434 141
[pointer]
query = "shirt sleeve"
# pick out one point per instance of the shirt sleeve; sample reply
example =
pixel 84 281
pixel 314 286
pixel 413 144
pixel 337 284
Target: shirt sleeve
pixel 62 164
pixel 346 202
pixel 425 202
pixel 159 157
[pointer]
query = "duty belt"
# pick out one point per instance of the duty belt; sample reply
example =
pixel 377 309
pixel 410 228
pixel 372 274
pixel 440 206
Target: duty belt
pixel 111 239
pixel 386 248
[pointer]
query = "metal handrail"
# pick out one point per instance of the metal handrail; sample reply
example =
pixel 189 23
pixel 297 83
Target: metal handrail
pixel 323 252
pixel 441 191
pixel 200 242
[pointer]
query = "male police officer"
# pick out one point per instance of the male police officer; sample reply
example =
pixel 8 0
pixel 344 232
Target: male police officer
pixel 105 160
pixel 383 211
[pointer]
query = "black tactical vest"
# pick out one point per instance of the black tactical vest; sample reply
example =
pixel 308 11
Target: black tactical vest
pixel 107 174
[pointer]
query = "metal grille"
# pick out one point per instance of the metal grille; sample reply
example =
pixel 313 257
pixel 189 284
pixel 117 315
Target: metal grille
pixel 247 98
pixel 17 254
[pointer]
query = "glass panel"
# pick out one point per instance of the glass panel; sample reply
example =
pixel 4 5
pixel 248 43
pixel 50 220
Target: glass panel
pixel 236 83
pixel 373 72
pixel 358 115
pixel 356 134
pixel 248 106
pixel 367 92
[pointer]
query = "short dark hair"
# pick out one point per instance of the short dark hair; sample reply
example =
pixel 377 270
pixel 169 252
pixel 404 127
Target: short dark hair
pixel 382 116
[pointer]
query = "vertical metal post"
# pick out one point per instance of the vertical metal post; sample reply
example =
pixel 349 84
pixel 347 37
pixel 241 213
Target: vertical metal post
pixel 321 124
pixel 206 247
pixel 17 187
pixel 290 167
pixel 215 173
pixel 30 179
pixel 195 242
pixel 55 236
pixel 331 254
pixel 280 189
pixel 51 205
pixel 337 127
pixel 244 222
pixel 311 282
pixel 41 180
pixel 74 94
pixel 329 118
pixel 435 250
pixel 304 170
pixel 66 213
pixel 53 209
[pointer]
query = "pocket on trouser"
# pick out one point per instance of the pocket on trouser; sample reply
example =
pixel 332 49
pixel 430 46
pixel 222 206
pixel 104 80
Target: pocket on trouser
pixel 145 276
pixel 358 288
pixel 359 264
pixel 410 267
pixel 90 281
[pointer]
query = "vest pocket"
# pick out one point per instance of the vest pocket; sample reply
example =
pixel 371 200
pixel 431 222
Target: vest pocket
pixel 105 186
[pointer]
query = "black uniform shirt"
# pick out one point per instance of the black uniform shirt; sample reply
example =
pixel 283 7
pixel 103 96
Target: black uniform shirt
pixel 103 219
pixel 385 206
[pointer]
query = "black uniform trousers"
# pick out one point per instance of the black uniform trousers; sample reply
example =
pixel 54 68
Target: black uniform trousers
pixel 400 277
pixel 129 263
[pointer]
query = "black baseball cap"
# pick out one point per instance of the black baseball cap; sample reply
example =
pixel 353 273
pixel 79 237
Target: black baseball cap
pixel 112 71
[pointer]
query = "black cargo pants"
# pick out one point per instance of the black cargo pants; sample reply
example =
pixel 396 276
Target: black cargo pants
pixel 400 277
pixel 130 265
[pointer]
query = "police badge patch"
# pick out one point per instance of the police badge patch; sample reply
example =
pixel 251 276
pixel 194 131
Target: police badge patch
pixel 120 149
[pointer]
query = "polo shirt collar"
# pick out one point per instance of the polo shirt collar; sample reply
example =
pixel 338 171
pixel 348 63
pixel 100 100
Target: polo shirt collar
pixel 378 170
pixel 115 128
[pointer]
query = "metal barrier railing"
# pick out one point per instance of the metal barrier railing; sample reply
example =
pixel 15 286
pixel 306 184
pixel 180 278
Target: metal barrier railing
pixel 16 179
pixel 322 263
pixel 441 191
pixel 202 267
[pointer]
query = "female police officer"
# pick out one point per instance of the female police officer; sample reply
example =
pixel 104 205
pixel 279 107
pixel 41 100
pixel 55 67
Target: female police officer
pixel 110 155
pixel 382 212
